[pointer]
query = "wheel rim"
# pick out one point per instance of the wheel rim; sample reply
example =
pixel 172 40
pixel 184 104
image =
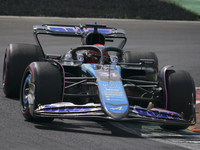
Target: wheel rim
pixel 27 94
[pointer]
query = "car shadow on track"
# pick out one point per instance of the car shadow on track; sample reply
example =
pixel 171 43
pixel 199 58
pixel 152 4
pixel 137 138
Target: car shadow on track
pixel 86 127
pixel 153 131
pixel 2 95
pixel 138 130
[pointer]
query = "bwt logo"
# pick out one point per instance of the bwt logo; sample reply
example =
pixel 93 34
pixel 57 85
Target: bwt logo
pixel 106 74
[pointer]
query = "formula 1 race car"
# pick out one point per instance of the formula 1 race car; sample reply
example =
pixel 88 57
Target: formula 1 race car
pixel 96 81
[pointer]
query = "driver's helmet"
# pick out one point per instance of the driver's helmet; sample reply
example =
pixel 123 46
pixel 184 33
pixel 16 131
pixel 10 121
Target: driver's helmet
pixel 93 57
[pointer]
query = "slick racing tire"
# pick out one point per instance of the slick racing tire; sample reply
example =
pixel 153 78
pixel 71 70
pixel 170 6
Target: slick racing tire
pixel 130 71
pixel 41 84
pixel 134 57
pixel 181 96
pixel 17 58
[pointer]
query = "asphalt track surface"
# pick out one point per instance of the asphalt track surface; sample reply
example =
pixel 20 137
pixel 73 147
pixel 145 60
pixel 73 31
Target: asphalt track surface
pixel 176 43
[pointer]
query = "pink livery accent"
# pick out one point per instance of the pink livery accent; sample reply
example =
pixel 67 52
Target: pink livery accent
pixel 63 79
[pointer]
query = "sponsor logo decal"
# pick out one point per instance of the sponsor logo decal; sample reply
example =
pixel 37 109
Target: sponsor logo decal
pixel 107 74
pixel 117 108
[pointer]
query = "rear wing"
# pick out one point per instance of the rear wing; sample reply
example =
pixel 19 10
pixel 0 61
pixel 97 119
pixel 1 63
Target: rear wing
pixel 71 30
pixel 79 31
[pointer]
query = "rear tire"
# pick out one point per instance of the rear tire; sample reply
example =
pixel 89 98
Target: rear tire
pixel 17 58
pixel 134 57
pixel 181 96
pixel 139 71
pixel 41 84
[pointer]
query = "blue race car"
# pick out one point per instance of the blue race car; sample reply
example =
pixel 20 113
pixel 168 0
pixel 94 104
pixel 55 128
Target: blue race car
pixel 95 81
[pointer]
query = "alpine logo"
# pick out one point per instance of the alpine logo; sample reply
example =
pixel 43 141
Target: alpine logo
pixel 117 108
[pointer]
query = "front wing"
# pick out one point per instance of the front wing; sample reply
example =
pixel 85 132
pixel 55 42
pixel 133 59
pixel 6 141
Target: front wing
pixel 95 111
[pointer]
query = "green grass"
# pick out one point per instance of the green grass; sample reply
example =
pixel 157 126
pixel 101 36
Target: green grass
pixel 128 9
pixel 192 5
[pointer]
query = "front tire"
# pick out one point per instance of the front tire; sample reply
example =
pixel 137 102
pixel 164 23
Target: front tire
pixel 181 96
pixel 41 84
pixel 17 58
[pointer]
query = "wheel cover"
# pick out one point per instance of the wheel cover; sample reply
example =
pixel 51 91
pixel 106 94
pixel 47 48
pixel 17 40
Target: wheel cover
pixel 28 94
